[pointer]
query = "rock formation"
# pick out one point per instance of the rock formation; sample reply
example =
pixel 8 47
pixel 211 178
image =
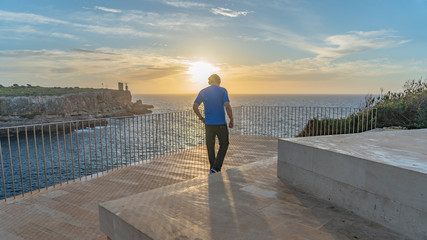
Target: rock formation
pixel 85 105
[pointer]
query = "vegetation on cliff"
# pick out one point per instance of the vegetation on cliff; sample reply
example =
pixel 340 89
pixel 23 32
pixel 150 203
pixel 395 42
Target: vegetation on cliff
pixel 20 90
pixel 407 109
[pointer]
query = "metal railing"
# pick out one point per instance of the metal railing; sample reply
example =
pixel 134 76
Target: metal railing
pixel 41 156
pixel 284 121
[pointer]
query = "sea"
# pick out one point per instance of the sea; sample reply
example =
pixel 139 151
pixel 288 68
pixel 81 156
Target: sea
pixel 183 102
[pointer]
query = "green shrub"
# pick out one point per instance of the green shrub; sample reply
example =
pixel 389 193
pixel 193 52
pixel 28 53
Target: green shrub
pixel 364 120
pixel 407 109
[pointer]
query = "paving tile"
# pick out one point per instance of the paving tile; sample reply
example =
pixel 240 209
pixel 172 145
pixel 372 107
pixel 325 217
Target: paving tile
pixel 70 211
pixel 32 231
pixel 292 230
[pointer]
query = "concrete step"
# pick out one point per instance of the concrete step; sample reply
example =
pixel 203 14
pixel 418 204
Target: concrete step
pixel 247 202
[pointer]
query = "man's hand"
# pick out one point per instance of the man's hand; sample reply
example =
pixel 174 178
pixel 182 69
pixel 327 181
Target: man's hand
pixel 197 112
pixel 229 111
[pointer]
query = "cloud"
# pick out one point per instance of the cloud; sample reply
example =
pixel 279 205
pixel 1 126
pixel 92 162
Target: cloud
pixel 168 21
pixel 120 30
pixel 356 42
pixel 130 23
pixel 248 39
pixel 108 9
pixel 21 32
pixel 335 46
pixel 92 51
pixel 282 36
pixel 151 73
pixel 142 24
pixel 64 35
pixel 85 67
pixel 313 73
pixel 83 50
pixel 312 76
pixel 185 4
pixel 228 12
pixel 63 70
pixel 28 18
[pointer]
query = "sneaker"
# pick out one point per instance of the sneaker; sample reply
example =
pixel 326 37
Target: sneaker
pixel 213 171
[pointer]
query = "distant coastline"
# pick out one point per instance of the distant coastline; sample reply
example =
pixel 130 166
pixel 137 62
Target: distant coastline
pixel 27 105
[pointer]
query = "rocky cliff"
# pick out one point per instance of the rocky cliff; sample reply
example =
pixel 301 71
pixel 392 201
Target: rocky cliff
pixel 84 105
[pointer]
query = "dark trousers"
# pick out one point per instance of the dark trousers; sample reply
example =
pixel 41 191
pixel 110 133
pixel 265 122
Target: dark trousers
pixel 220 131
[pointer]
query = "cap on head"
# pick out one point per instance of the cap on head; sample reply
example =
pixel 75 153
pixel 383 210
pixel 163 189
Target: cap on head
pixel 214 78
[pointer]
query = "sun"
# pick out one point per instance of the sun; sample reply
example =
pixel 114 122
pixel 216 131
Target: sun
pixel 200 71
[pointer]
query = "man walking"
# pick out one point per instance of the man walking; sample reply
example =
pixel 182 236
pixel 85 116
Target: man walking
pixel 214 99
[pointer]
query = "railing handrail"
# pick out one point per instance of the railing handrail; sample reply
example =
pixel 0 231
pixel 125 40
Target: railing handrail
pixel 80 120
pixel 76 149
pixel 65 121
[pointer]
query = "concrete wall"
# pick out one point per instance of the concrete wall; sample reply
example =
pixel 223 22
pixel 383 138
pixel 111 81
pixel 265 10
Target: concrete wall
pixel 391 196
pixel 116 228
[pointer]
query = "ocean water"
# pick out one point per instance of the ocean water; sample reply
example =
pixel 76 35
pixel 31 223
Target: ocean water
pixel 174 103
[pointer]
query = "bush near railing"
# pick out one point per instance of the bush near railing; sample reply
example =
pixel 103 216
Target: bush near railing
pixel 362 121
pixel 409 112
pixel 407 109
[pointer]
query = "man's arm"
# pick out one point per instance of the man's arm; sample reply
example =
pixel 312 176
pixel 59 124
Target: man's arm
pixel 196 110
pixel 230 114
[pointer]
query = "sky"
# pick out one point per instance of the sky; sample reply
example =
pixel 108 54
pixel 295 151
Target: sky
pixel 257 47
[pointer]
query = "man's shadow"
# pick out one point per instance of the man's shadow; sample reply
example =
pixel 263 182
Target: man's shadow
pixel 233 213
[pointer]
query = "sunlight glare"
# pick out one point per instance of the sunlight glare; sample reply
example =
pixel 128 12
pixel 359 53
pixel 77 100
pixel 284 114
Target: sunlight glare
pixel 200 71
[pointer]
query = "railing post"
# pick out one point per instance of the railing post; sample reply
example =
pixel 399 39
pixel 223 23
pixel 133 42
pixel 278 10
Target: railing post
pixel 20 163
pixel 72 151
pixel 28 160
pixel 59 158
pixel 90 148
pixel 35 154
pixel 2 173
pixel 106 143
pixel 65 151
pixel 84 148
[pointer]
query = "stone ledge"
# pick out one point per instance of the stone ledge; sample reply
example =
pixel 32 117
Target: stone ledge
pixel 378 175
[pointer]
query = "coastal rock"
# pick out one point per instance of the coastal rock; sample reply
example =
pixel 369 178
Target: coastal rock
pixel 85 105
pixel 139 108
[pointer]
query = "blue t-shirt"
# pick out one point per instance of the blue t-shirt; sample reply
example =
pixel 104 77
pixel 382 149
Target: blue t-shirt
pixel 213 97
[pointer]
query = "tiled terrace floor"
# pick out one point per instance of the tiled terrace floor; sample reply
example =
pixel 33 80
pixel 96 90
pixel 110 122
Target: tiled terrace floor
pixel 71 211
